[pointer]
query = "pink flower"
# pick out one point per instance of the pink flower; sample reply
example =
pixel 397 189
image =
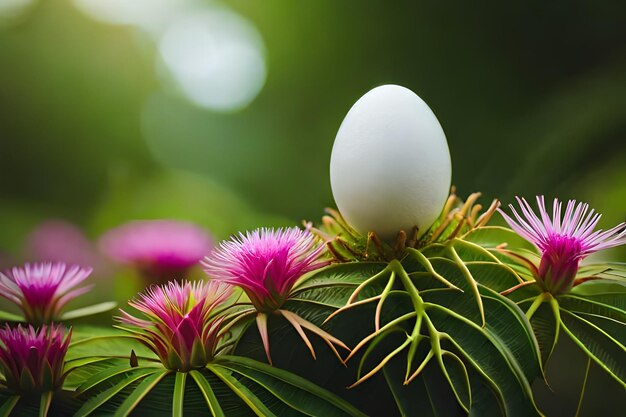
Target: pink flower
pixel 160 249
pixel 179 322
pixel 563 240
pixel 266 263
pixel 32 360
pixel 41 290
pixel 60 241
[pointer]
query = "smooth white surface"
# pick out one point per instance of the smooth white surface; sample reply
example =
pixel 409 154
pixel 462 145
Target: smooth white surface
pixel 390 166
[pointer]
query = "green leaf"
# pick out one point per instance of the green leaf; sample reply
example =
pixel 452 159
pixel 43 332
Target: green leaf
pixel 458 378
pixel 593 305
pixel 546 330
pixel 615 271
pixel 331 287
pixel 599 346
pixel 486 401
pixel 298 393
pixel 429 395
pixel 99 377
pixel 7 406
pixel 139 393
pixel 251 400
pixel 91 341
pixel 10 317
pixel 614 328
pixel 88 311
pixel 207 392
pixel 44 403
pixel 80 370
pixel 489 357
pixel 330 298
pixel 80 362
pixel 102 397
pixel 346 274
pixel 497 277
pixel 179 394
pixel 492 236
pixel 509 326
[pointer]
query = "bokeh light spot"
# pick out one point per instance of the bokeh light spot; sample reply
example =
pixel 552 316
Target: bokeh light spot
pixel 11 11
pixel 148 15
pixel 215 57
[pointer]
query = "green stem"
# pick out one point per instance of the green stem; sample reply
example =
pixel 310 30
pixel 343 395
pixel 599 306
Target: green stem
pixel 367 282
pixel 470 280
pixel 383 296
pixel 423 260
pixel 540 299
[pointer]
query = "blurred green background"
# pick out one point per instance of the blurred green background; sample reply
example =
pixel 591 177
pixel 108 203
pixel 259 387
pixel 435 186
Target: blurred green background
pixel 532 98
pixel 224 113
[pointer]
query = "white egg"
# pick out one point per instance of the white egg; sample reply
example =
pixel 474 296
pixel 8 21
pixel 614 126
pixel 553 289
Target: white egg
pixel 390 166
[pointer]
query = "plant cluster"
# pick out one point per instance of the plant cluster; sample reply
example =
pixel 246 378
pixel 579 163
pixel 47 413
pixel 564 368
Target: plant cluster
pixel 458 318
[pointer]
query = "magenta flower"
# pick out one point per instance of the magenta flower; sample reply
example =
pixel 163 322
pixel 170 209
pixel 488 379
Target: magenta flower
pixel 266 263
pixel 563 241
pixel 181 322
pixel 41 290
pixel 60 241
pixel 160 249
pixel 32 360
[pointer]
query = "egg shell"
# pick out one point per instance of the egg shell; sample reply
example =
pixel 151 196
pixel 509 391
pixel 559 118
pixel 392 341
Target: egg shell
pixel 390 166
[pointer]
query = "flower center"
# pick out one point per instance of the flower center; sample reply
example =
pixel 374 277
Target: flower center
pixel 559 263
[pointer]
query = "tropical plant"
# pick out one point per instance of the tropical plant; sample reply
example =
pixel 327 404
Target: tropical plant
pixel 455 318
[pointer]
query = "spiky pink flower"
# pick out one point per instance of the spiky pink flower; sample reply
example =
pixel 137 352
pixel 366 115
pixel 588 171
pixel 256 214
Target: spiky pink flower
pixel 41 290
pixel 180 323
pixel 160 249
pixel 266 263
pixel 562 240
pixel 32 360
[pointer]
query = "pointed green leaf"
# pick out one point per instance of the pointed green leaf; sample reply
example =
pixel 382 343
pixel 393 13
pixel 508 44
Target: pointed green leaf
pixel 10 317
pixel 546 329
pixel 26 379
pixel 429 395
pixel 599 305
pixel 139 392
pixel 8 405
pixel 103 376
pixel 603 290
pixel 102 397
pixel 600 347
pixel 79 362
pixel 346 274
pixel 295 391
pixel 510 327
pixel 85 369
pixel 458 378
pixel 44 403
pixel 614 328
pixel 489 356
pixel 251 400
pixel 492 236
pixel 207 392
pixel 498 277
pixel 179 394
pixel 88 311
pixel 486 400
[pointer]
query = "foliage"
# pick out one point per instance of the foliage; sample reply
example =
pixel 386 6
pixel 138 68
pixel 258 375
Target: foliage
pixel 452 324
